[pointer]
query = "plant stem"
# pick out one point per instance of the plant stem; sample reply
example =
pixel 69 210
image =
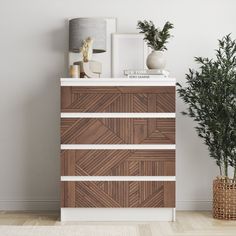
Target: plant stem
pixel 226 168
pixel 220 170
pixel 234 178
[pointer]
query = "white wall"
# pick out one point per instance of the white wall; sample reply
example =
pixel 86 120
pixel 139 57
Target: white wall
pixel 33 46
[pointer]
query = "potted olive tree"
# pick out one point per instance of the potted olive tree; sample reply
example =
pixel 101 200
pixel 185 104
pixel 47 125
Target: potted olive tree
pixel 156 39
pixel 210 96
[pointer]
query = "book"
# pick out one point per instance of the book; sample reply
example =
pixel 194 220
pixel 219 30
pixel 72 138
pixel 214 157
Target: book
pixel 146 76
pixel 153 72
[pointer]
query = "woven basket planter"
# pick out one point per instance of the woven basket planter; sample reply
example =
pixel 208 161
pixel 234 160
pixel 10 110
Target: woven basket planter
pixel 224 199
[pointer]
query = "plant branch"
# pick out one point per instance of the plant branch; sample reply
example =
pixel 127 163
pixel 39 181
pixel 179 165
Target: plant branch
pixel 210 96
pixel 155 38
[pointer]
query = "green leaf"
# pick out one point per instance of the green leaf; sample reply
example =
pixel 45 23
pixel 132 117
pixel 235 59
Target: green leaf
pixel 155 38
pixel 210 96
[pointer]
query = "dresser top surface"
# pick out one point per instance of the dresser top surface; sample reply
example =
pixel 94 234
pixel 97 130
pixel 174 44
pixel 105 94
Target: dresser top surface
pixel 117 82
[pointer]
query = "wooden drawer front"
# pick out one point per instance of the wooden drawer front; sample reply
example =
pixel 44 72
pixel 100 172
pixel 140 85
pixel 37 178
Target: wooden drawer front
pixel 118 163
pixel 118 99
pixel 118 131
pixel 118 194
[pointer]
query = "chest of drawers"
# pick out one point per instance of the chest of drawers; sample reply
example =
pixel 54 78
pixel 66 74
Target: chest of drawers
pixel 117 149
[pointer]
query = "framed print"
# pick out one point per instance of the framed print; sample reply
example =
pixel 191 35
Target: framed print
pixel 129 52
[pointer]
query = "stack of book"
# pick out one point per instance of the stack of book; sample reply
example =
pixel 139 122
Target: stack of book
pixel 146 74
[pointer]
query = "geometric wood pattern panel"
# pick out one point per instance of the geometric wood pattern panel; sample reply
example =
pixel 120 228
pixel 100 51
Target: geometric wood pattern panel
pixel 118 194
pixel 118 163
pixel 118 99
pixel 118 131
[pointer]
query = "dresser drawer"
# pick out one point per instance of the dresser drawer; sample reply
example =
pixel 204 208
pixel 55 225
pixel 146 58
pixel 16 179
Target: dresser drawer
pixel 118 99
pixel 113 194
pixel 118 131
pixel 118 163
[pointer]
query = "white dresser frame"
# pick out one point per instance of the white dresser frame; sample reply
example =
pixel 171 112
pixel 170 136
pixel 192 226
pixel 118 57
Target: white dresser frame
pixel 118 214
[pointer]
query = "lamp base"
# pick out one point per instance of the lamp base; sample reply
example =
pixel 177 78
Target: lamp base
pixel 90 69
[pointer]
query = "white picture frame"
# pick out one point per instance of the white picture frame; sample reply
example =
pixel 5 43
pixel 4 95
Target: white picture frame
pixel 106 57
pixel 129 52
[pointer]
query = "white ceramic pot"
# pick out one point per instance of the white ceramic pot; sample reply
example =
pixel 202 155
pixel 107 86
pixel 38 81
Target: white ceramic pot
pixel 156 60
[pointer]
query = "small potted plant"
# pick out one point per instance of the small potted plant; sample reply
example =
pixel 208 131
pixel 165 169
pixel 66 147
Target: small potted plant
pixel 156 39
pixel 211 98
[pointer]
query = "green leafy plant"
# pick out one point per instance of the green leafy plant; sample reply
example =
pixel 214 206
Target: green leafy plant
pixel 211 98
pixel 155 37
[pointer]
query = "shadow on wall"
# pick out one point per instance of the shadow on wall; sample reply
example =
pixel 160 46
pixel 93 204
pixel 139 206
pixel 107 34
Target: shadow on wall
pixel 60 44
pixel 42 127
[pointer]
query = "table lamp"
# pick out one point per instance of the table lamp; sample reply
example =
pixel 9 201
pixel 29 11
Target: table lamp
pixel 88 35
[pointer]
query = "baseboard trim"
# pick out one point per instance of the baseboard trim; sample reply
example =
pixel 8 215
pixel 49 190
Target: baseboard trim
pixel 194 205
pixel 37 205
pixel 29 205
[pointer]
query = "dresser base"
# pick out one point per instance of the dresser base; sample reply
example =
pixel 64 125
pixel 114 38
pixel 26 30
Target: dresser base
pixel 117 214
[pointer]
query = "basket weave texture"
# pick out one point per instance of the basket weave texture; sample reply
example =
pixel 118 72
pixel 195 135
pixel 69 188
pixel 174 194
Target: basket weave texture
pixel 224 199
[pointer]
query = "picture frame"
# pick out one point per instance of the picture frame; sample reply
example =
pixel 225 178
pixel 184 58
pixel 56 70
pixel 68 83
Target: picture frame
pixel 129 52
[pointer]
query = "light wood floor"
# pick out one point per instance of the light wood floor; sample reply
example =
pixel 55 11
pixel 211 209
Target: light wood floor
pixel 187 224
